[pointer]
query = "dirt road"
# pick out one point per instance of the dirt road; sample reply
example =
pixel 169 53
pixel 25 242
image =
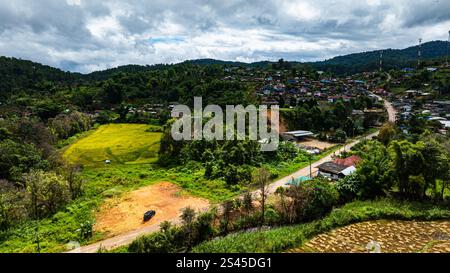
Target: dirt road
pixel 127 238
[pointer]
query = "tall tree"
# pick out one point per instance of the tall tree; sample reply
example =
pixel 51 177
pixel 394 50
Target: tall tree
pixel 262 179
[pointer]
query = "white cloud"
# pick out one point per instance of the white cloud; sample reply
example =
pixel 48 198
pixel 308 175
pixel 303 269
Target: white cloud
pixel 301 10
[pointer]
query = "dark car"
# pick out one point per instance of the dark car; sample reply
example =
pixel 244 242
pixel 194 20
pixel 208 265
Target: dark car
pixel 149 215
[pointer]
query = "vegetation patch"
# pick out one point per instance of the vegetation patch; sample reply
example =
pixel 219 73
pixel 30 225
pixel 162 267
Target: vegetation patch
pixel 281 239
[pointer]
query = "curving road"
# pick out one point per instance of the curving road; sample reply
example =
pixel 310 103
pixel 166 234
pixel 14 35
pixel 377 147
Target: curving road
pixel 127 238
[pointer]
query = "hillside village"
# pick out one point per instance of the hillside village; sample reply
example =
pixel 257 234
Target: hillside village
pixel 425 101
pixel 101 152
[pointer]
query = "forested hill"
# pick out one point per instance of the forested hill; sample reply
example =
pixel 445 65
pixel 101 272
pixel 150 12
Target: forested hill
pixel 392 59
pixel 17 75
pixel 228 63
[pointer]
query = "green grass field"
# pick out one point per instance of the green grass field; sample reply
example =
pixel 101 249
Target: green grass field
pixel 120 143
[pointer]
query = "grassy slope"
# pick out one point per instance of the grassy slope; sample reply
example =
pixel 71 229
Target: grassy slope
pixel 283 238
pixel 120 143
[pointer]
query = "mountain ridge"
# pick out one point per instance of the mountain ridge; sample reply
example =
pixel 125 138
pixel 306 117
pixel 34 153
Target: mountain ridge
pixel 369 60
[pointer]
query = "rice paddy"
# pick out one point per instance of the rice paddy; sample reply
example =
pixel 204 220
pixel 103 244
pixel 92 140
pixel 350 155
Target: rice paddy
pixel 116 144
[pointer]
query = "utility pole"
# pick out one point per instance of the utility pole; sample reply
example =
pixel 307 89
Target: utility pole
pixel 381 61
pixel 310 166
pixel 448 45
pixel 419 53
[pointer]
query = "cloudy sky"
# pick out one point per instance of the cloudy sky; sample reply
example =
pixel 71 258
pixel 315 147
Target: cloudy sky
pixel 89 35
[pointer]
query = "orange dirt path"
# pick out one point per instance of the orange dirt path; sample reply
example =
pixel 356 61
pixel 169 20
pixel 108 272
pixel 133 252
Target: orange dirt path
pixel 119 215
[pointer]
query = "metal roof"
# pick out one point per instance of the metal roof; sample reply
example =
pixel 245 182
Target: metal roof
pixel 350 170
pixel 331 167
pixel 300 133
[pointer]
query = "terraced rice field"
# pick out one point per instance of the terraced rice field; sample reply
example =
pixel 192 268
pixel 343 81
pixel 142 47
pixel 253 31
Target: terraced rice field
pixel 119 143
pixel 383 236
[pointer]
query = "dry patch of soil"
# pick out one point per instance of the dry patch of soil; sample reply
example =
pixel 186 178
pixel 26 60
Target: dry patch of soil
pixel 322 145
pixel 391 236
pixel 123 214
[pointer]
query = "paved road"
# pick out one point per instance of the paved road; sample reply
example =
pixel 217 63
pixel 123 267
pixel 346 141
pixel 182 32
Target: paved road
pixel 120 240
pixel 127 238
pixel 306 171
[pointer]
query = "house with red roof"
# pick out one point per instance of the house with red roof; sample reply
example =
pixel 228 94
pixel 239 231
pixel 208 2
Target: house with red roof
pixel 349 161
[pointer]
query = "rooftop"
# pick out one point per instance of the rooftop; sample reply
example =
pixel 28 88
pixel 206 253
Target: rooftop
pixel 331 167
pixel 299 133
pixel 349 161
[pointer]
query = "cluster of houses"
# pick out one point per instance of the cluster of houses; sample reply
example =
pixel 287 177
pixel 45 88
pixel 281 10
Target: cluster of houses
pixel 431 110
pixel 294 90
pixel 438 110
pixel 419 102
pixel 286 88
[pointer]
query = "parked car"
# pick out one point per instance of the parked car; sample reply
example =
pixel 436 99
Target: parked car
pixel 149 215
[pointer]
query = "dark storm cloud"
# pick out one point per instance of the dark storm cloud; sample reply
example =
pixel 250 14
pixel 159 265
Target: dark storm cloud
pixel 427 13
pixel 82 35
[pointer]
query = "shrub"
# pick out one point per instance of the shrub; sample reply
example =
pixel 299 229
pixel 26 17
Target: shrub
pixel 158 242
pixel 310 200
pixel 348 188
pixel 324 197
pixel 339 136
pixel 171 239
pixel 17 158
pixel 48 191
pixel 12 205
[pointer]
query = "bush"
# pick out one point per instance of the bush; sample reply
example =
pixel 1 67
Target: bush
pixel 339 136
pixel 324 197
pixel 310 200
pixel 12 205
pixel 235 175
pixel 172 239
pixel 348 188
pixel 48 192
pixel 17 158
pixel 158 242
pixel 67 125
